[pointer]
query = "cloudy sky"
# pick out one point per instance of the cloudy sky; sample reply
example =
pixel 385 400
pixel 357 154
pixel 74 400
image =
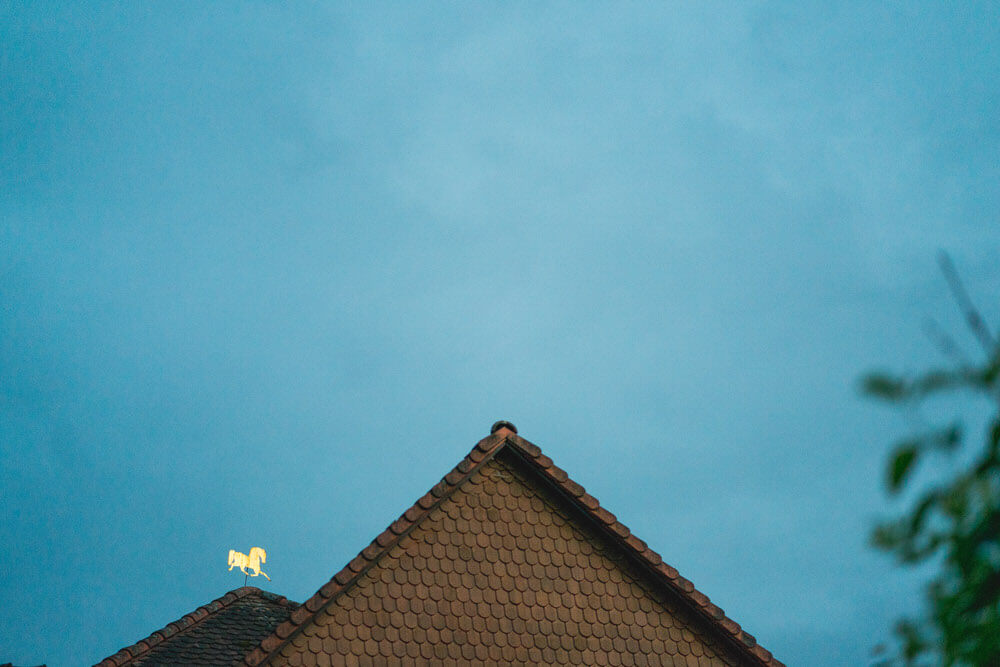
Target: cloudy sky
pixel 268 272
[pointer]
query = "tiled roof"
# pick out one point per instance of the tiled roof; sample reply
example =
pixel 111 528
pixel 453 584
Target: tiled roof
pixel 219 633
pixel 507 559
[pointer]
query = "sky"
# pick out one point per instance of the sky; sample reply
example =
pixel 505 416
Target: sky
pixel 268 271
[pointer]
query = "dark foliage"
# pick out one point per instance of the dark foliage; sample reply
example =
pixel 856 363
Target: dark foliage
pixel 953 522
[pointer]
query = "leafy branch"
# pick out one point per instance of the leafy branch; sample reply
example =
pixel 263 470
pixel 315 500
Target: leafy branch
pixel 956 520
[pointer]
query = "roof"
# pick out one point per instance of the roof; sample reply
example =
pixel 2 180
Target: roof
pixel 218 633
pixel 508 559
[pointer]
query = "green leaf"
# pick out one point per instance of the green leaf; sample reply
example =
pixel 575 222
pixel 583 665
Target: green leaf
pixel 955 503
pixel 919 516
pixel 992 370
pixel 879 385
pixel 993 440
pixel 915 552
pixel 935 381
pixel 901 465
pixel 887 536
pixel 987 593
pixel 947 439
pixel 987 530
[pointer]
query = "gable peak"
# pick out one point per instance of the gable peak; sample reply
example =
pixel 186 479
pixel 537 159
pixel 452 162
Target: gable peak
pixel 503 425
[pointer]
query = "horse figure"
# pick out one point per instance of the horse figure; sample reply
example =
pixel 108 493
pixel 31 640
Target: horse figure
pixel 251 560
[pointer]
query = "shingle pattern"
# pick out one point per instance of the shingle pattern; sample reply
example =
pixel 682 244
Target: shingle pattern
pixel 219 633
pixel 508 560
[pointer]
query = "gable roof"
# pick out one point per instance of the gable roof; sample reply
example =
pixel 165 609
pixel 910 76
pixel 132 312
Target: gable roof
pixel 504 448
pixel 218 633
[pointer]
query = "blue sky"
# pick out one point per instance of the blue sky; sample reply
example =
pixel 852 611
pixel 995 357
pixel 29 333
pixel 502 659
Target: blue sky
pixel 269 271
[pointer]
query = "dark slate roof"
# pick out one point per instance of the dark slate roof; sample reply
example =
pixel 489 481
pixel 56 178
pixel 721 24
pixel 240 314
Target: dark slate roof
pixel 507 560
pixel 219 633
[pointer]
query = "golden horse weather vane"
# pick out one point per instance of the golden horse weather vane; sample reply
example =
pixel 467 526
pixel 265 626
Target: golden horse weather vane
pixel 249 561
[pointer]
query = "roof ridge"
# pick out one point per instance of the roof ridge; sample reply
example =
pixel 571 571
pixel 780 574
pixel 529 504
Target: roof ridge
pixel 653 561
pixel 187 621
pixel 486 449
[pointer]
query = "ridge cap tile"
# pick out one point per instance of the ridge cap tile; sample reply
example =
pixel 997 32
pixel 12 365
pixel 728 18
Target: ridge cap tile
pixel 272 642
pixel 358 563
pixel 254 657
pixel 574 489
pixel 284 629
pixel 762 652
pixel 558 474
pixel 634 542
pixel 605 516
pixel 301 613
pixel 621 530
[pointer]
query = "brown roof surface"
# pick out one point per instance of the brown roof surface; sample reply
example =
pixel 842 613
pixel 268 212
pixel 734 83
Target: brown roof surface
pixel 508 560
pixel 219 633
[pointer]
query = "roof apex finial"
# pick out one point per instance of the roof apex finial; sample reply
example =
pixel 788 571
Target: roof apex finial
pixel 503 424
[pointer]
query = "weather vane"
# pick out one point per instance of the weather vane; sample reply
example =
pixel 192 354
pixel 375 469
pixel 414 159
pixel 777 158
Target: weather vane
pixel 251 560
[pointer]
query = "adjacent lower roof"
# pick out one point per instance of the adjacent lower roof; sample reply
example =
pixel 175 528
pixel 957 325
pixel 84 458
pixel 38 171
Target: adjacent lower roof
pixel 218 633
pixel 452 560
